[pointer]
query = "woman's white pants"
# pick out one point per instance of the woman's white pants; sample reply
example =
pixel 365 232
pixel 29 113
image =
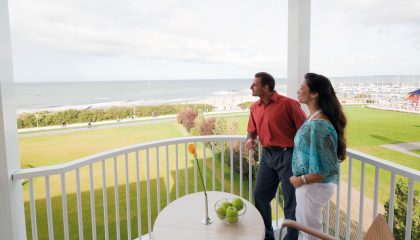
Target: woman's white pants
pixel 310 199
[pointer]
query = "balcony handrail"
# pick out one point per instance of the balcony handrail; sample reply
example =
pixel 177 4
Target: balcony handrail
pixel 384 164
pixel 71 165
pixel 61 169
pixel 65 167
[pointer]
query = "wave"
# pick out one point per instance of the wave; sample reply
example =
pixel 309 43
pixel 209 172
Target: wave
pixel 225 92
pixel 76 107
pixel 101 98
pixel 172 100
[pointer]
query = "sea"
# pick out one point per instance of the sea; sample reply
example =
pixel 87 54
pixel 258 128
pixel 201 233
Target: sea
pixel 49 96
pixel 57 96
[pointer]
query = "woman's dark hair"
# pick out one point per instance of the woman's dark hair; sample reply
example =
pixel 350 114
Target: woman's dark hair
pixel 266 79
pixel 330 106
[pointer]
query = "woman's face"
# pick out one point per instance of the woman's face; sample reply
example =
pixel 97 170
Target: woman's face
pixel 304 94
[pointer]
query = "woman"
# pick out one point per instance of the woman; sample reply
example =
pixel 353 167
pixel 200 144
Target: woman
pixel 319 147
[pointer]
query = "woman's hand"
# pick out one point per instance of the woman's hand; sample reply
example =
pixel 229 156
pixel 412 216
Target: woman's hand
pixel 296 181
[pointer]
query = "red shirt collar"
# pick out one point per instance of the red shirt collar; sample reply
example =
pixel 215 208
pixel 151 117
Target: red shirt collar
pixel 274 97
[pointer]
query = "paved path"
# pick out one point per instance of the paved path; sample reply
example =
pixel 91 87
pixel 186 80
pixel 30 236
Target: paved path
pixel 404 148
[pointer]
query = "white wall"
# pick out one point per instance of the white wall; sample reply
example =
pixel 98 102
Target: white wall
pixel 12 219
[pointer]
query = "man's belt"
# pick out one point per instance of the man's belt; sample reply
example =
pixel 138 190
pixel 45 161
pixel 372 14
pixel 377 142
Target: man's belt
pixel 278 148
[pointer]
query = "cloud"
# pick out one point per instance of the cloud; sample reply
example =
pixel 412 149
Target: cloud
pixel 366 38
pixel 111 28
pixel 384 12
pixel 214 38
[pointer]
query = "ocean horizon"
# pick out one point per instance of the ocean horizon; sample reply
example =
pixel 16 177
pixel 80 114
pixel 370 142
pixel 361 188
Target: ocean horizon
pixel 43 96
pixel 58 96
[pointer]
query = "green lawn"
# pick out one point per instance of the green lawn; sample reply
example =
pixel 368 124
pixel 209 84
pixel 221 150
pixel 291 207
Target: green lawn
pixel 371 127
pixel 37 151
pixel 367 130
pixel 63 147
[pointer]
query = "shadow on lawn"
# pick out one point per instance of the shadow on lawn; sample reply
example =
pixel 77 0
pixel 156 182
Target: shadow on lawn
pixel 385 139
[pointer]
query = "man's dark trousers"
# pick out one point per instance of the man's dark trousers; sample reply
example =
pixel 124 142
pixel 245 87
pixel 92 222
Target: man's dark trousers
pixel 275 167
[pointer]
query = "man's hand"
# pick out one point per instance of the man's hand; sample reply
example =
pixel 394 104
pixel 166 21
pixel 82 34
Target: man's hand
pixel 250 144
pixel 296 181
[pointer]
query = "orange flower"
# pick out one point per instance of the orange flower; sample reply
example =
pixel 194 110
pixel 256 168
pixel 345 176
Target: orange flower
pixel 191 149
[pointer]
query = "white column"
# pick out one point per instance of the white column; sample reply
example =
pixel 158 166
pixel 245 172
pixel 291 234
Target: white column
pixel 298 44
pixel 12 218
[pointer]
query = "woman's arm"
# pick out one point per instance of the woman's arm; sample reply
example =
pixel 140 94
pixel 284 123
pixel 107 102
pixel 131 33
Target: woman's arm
pixel 297 181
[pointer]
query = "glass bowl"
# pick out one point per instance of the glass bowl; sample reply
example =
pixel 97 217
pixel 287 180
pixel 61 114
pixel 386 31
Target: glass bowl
pixel 229 216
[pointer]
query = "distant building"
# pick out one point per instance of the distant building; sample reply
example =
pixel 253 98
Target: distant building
pixel 414 97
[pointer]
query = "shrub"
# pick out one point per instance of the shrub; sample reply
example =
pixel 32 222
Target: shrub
pixel 245 105
pixel 27 120
pixel 400 211
pixel 232 128
pixel 220 126
pixel 206 126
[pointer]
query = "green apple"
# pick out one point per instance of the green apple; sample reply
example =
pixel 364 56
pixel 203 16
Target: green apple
pixel 231 212
pixel 221 212
pixel 232 219
pixel 238 204
pixel 226 204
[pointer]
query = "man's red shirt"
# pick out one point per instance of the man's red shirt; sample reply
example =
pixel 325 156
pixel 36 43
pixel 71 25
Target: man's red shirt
pixel 277 122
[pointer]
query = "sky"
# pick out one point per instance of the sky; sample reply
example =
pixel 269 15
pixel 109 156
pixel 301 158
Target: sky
pixel 109 40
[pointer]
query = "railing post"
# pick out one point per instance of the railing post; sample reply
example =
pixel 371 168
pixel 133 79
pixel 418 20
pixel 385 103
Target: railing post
pixel 12 218
pixel 298 44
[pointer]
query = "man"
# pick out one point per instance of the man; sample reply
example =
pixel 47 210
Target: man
pixel 275 119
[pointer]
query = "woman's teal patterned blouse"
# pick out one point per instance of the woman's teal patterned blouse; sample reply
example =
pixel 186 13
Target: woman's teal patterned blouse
pixel 315 150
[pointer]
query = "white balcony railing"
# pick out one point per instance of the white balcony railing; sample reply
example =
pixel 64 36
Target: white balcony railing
pixel 142 166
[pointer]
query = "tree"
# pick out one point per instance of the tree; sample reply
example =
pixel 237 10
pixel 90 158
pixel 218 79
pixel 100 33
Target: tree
pixel 400 211
pixel 187 118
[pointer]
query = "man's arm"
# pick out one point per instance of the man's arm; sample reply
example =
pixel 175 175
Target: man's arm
pixel 250 141
pixel 252 132
pixel 251 135
pixel 297 114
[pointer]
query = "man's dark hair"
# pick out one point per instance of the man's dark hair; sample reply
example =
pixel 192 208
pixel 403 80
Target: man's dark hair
pixel 266 79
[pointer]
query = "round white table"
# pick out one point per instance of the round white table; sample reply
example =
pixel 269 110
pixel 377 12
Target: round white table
pixel 181 220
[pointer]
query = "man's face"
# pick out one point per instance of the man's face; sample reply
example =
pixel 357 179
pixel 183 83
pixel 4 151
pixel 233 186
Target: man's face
pixel 257 89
